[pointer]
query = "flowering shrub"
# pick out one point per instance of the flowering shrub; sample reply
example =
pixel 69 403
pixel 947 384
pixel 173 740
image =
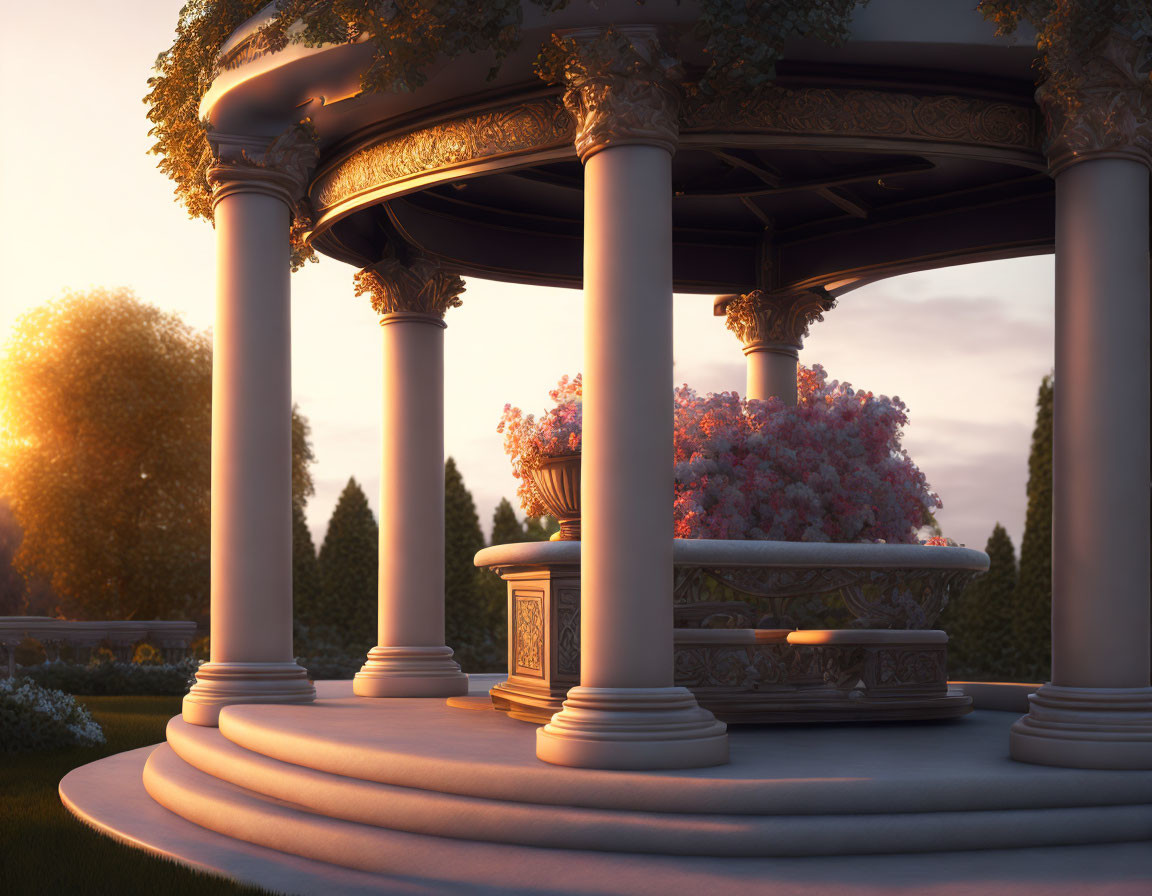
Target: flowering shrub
pixel 830 469
pixel 36 718
pixel 556 433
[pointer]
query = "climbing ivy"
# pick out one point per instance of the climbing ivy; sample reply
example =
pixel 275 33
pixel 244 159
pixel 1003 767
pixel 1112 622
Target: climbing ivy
pixel 743 39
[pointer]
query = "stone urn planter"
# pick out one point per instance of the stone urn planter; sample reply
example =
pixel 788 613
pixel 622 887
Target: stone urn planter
pixel 557 482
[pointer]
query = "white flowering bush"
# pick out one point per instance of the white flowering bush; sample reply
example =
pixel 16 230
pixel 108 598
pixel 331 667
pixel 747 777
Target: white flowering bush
pixel 37 718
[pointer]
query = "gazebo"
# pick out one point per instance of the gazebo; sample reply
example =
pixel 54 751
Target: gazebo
pixel 916 144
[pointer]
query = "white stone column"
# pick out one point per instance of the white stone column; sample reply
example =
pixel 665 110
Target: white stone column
pixel 251 603
pixel 626 713
pixel 772 327
pixel 1097 710
pixel 410 658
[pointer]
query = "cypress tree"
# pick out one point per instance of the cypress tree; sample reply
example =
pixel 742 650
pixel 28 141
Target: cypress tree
pixel 348 570
pixel 506 529
pixel 1032 621
pixel 540 528
pixel 990 611
pixel 307 591
pixel 468 613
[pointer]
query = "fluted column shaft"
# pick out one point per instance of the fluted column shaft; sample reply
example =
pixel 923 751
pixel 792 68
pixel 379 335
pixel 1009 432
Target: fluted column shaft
pixel 251 532
pixel 1100 580
pixel 772 372
pixel 626 468
pixel 410 658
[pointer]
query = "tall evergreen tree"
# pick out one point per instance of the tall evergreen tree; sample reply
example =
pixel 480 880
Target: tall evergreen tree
pixel 1032 622
pixel 348 570
pixel 468 610
pixel 506 529
pixel 979 622
pixel 307 587
pixel 540 528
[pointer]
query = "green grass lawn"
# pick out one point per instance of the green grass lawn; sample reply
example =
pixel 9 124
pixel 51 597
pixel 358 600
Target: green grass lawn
pixel 44 850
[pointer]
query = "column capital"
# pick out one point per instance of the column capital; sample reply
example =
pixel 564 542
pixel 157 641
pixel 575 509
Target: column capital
pixel 619 86
pixel 280 167
pixel 1097 100
pixel 767 321
pixel 420 286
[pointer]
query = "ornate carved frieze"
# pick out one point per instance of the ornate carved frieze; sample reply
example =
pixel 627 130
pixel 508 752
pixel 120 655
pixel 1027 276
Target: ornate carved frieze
pixel 1101 103
pixel 280 168
pixel 620 87
pixel 568 632
pixel 761 319
pixel 533 125
pixel 877 597
pixel 542 124
pixel 852 112
pixel 420 285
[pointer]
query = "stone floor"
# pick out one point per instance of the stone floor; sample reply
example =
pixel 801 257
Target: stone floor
pixel 412 796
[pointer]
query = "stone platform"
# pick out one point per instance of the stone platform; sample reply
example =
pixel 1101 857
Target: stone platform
pixel 447 797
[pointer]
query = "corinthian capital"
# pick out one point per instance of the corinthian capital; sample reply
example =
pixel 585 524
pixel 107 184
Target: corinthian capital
pixel 1098 102
pixel 620 87
pixel 420 286
pixel 280 167
pixel 763 320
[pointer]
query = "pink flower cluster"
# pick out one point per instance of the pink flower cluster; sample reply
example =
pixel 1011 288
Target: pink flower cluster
pixel 556 433
pixel 830 469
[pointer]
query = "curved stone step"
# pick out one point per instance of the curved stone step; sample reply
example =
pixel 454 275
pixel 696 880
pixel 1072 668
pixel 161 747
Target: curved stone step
pixel 810 770
pixel 109 795
pixel 200 762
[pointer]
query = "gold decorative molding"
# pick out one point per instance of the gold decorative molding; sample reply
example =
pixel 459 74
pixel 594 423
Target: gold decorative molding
pixel 529 126
pixel 619 86
pixel 420 286
pixel 862 113
pixel 761 319
pixel 1103 107
pixel 523 131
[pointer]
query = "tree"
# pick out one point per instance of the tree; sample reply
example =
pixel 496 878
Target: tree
pixel 979 622
pixel 506 529
pixel 1032 621
pixel 307 584
pixel 470 611
pixel 12 589
pixel 348 568
pixel 107 410
pixel 540 528
pixel 105 451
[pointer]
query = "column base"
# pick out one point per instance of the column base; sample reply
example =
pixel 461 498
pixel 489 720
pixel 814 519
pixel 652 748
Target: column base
pixel 410 672
pixel 632 728
pixel 225 684
pixel 1108 728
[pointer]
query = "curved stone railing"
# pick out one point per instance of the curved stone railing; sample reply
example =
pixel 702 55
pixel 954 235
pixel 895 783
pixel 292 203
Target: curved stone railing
pixel 746 665
pixel 171 636
pixel 902 586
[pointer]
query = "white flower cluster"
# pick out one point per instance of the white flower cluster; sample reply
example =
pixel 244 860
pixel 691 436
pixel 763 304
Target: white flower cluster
pixel 37 718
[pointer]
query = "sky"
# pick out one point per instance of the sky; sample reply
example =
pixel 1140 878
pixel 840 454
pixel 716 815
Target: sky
pixel 83 205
